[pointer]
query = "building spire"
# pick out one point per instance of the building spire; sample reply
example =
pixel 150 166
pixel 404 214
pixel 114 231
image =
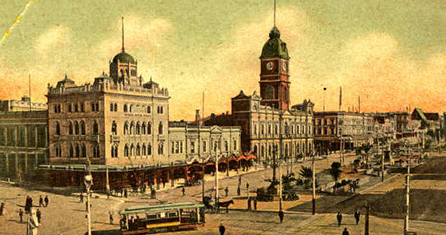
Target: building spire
pixel 123 48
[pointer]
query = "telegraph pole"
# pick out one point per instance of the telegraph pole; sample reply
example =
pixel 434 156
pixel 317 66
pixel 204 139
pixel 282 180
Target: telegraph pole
pixel 406 218
pixel 280 190
pixel 314 185
pixel 216 175
pixel 382 164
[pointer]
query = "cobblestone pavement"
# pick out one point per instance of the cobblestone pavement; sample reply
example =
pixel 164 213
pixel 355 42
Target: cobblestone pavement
pixel 65 215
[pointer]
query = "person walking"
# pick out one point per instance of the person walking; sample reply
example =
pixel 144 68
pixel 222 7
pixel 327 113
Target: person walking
pixel 249 204
pixel 339 218
pixel 39 215
pixel 226 191
pixel 21 215
pixel 2 207
pixel 47 201
pixel 345 232
pixel 281 215
pixel 222 229
pixel 41 201
pixel 238 190
pixel 255 203
pixel 125 193
pixel 111 217
pixel 183 191
pixel 357 216
pixel 81 198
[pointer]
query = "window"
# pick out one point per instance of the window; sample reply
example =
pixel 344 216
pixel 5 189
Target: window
pixel 132 150
pixel 269 92
pixel 82 128
pixel 97 107
pixel 160 128
pixel 226 146
pixel 112 107
pixel 177 147
pixel 144 150
pixel 181 147
pixel 58 151
pixel 71 151
pixel 131 108
pixel 276 129
pixel 149 110
pixel 116 107
pixel 125 108
pixel 126 128
pixel 70 128
pixel 172 144
pixel 84 151
pixel 235 145
pixel 57 128
pixel 93 107
pixel 138 129
pixel 149 128
pixel 69 108
pixel 114 128
pixel 192 147
pixel 95 128
pixel 160 148
pixel 149 149
pixel 138 150
pixel 76 128
pixel 160 109
pixel 126 150
pixel 96 152
pixel 82 107
pixel 78 151
pixel 204 146
pixel 143 128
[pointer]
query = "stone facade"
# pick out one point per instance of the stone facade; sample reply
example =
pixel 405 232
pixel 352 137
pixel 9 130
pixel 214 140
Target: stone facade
pixel 23 143
pixel 24 104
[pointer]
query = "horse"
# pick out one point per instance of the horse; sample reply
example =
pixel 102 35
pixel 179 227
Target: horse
pixel 225 204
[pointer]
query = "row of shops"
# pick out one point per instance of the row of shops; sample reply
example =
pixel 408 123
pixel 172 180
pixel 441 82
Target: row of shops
pixel 120 177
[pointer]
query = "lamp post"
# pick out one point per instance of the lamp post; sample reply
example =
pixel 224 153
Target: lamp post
pixel 216 173
pixel 313 176
pixel 88 181
pixel 406 217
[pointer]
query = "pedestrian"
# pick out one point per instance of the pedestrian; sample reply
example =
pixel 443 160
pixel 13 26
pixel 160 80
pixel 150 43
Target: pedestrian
pixel 339 218
pixel 183 191
pixel 21 215
pixel 249 204
pixel 238 190
pixel 357 216
pixel 222 229
pixel 240 180
pixel 281 215
pixel 39 215
pixel 247 186
pixel 2 207
pixel 345 232
pixel 125 193
pixel 47 200
pixel 255 203
pixel 111 217
pixel 226 191
pixel 81 198
pixel 41 201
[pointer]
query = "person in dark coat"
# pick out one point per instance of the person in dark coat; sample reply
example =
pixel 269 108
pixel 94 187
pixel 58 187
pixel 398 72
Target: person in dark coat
pixel 183 191
pixel 249 204
pixel 47 200
pixel 222 229
pixel 226 191
pixel 27 205
pixel 357 216
pixel 255 203
pixel 41 201
pixel 238 190
pixel 81 198
pixel 125 193
pixel 2 207
pixel 39 215
pixel 281 215
pixel 339 218
pixel 345 232
pixel 111 217
pixel 21 215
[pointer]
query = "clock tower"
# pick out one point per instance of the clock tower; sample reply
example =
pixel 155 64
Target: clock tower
pixel 274 72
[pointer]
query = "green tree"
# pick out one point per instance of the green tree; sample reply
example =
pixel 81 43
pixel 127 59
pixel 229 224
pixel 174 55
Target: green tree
pixel 307 174
pixel 335 172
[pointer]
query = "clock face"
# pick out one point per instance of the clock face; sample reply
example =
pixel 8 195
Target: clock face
pixel 285 67
pixel 270 65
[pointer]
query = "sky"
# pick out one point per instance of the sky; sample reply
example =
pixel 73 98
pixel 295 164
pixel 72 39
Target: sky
pixel 390 53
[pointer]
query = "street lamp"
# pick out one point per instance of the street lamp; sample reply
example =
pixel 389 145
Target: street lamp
pixel 88 181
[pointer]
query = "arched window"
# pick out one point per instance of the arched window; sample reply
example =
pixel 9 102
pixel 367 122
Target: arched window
pixel 149 128
pixel 160 148
pixel 144 150
pixel 112 151
pixel 84 150
pixel 116 107
pixel 71 151
pixel 82 128
pixel 96 152
pixel 95 128
pixel 132 150
pixel 125 108
pixel 58 151
pixel 76 128
pixel 160 128
pixel 138 150
pixel 269 92
pixel 132 128
pixel 255 150
pixel 143 128
pixel 112 107
pixel 78 151
pixel 116 151
pixel 149 149
pixel 126 150
pixel 262 152
pixel 226 146
pixel 57 128
pixel 131 108
pixel 126 128
pixel 114 128
pixel 138 128
pixel 149 109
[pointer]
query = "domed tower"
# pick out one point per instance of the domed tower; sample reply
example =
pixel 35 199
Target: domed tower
pixel 274 72
pixel 124 68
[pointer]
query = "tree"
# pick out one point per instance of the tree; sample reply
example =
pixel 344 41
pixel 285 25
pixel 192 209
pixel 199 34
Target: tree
pixel 307 174
pixel 335 172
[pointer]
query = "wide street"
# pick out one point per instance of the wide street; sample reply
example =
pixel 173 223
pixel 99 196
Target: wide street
pixel 65 215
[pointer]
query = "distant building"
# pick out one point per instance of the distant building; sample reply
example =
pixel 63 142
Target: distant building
pixel 351 129
pixel 24 104
pixel 23 143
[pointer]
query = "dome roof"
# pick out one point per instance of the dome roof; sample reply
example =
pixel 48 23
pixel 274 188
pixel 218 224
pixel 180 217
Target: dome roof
pixel 275 47
pixel 123 57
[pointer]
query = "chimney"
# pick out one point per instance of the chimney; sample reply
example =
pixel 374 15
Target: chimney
pixel 197 115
